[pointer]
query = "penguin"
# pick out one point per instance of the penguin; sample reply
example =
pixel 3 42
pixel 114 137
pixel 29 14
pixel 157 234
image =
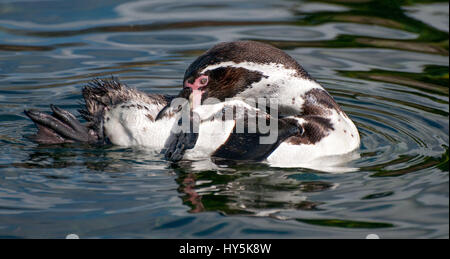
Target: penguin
pixel 231 91
pixel 309 123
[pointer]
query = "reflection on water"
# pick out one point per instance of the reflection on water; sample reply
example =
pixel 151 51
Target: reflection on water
pixel 385 62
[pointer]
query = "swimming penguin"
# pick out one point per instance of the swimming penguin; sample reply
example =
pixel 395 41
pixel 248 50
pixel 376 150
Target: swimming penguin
pixel 308 123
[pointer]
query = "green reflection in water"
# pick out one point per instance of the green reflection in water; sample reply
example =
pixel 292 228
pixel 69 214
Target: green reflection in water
pixel 345 223
pixel 384 13
pixel 243 193
pixel 434 79
pixel 426 162
pixel 377 195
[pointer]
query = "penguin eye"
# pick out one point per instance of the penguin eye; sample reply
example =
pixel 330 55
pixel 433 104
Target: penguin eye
pixel 204 81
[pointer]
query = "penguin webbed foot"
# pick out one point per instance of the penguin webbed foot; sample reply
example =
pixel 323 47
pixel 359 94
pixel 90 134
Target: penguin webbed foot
pixel 59 127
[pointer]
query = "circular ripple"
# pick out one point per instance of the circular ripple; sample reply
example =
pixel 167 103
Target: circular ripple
pixel 398 134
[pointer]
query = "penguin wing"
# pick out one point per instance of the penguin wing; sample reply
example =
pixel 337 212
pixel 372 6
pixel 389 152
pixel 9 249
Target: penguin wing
pixel 258 145
pixel 246 139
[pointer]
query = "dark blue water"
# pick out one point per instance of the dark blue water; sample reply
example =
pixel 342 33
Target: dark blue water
pixel 385 62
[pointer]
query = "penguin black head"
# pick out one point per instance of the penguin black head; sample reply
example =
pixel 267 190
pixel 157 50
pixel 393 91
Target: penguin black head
pixel 230 68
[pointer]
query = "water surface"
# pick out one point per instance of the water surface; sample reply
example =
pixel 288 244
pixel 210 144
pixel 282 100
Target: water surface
pixel 385 62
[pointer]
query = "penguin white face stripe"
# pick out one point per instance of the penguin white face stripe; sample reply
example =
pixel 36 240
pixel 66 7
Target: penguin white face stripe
pixel 271 69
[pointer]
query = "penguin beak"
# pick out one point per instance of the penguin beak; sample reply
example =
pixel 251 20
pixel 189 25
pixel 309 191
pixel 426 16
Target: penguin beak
pixel 197 90
pixel 194 96
pixel 193 93
pixel 195 99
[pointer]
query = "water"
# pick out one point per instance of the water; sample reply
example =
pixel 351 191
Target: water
pixel 385 62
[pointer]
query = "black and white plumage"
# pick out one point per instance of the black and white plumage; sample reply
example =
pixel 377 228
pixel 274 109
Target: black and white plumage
pixel 310 123
pixel 115 113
